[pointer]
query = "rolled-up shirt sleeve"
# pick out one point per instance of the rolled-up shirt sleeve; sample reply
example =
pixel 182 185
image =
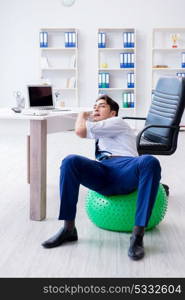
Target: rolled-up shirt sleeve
pixel 105 128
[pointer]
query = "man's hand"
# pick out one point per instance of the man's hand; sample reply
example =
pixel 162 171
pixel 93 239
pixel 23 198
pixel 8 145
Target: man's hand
pixel 80 125
pixel 86 114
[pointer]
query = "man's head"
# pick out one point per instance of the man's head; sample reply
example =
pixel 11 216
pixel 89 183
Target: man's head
pixel 105 108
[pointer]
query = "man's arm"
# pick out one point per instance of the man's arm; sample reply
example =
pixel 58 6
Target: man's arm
pixel 80 125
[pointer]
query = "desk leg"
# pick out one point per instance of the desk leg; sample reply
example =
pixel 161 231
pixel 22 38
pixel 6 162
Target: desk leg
pixel 38 150
pixel 28 159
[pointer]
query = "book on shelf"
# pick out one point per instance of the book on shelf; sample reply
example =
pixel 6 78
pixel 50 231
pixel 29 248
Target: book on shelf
pixel 71 82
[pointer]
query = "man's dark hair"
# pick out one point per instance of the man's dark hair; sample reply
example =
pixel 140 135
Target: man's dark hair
pixel 113 104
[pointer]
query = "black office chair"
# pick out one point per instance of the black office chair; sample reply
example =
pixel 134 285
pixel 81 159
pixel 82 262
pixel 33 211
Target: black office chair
pixel 160 134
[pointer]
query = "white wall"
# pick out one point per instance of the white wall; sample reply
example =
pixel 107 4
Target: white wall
pixel 21 20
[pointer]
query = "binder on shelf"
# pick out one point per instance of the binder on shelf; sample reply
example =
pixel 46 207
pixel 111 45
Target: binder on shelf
pixel 180 74
pixel 99 80
pixel 128 39
pixel 132 40
pixel 107 76
pixel 128 100
pixel 73 39
pixel 121 60
pixel 125 40
pixel 103 80
pixel 183 60
pixel 124 100
pixel 132 100
pixel 66 39
pixel 41 38
pixel 101 40
pixel 70 39
pixel 129 60
pixel 132 60
pixel 130 80
pixel 45 39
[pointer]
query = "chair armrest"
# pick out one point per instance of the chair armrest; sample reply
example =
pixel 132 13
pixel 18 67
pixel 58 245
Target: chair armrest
pixel 134 118
pixel 154 126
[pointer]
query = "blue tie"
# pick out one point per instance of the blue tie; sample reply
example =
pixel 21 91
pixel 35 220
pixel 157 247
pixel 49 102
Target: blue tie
pixel 100 155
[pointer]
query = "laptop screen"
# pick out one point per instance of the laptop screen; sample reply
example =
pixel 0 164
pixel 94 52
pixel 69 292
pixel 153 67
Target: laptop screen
pixel 40 96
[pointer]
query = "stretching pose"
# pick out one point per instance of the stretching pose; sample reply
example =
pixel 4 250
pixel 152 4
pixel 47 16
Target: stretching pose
pixel 117 170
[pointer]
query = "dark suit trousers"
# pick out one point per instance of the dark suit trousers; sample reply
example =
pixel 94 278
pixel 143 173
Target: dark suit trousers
pixel 119 175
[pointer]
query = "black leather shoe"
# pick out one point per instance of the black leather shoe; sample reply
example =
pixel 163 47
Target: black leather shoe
pixel 136 249
pixel 61 237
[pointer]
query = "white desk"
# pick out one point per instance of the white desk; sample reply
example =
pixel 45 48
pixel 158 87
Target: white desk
pixel 40 126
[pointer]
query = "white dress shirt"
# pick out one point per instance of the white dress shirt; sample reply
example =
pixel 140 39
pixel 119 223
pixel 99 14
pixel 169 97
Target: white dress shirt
pixel 115 136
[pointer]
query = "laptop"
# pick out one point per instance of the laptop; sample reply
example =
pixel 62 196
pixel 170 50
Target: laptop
pixel 40 97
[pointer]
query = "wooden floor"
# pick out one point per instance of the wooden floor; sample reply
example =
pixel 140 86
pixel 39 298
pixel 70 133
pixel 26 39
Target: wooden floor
pixel 98 253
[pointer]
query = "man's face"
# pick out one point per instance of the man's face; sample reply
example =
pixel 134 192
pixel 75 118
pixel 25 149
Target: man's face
pixel 101 111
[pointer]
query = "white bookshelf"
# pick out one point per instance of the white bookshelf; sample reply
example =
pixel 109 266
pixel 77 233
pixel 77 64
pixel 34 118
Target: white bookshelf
pixel 59 66
pixel 163 54
pixel 109 62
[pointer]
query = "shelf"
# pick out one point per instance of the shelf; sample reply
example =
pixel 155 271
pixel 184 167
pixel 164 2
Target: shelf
pixel 66 89
pixel 117 78
pixel 58 29
pixel 59 64
pixel 58 69
pixel 116 49
pixel 116 29
pixel 163 54
pixel 168 69
pixel 117 89
pixel 58 48
pixel 127 108
pixel 170 29
pixel 168 49
pixel 116 69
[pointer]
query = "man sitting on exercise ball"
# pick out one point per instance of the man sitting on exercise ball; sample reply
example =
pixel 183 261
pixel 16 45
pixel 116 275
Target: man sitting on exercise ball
pixel 117 170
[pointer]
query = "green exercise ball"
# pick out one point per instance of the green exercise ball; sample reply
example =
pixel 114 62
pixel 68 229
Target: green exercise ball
pixel 117 213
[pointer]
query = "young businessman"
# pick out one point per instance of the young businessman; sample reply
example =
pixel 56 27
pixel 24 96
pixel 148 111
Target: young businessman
pixel 117 170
